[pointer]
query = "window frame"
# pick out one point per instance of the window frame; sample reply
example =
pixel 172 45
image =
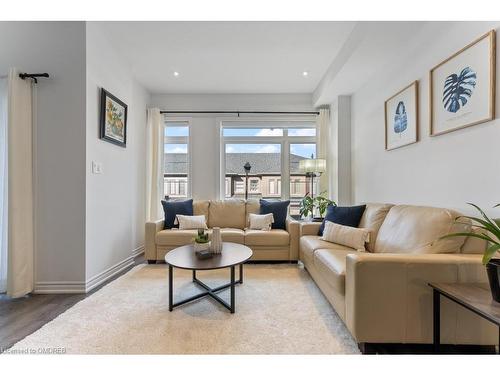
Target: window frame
pixel 285 141
pixel 187 140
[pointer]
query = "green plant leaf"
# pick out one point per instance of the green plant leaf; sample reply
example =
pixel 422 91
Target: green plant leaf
pixel 484 215
pixel 490 252
pixel 493 229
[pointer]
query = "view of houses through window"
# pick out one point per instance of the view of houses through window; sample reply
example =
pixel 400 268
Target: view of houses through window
pixel 274 155
pixel 176 160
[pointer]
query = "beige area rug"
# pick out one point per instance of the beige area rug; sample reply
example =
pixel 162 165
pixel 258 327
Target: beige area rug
pixel 279 310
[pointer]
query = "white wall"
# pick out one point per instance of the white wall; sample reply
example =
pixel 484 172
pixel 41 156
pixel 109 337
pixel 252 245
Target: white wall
pixel 115 199
pixel 57 48
pixel 205 137
pixel 446 170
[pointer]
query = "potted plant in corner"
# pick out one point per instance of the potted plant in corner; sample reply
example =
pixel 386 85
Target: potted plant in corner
pixel 308 205
pixel 490 232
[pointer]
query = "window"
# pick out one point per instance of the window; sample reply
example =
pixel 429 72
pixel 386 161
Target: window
pixel 176 159
pixel 273 149
pixel 300 182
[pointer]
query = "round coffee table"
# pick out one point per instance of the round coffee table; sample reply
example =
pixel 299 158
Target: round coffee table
pixel 232 255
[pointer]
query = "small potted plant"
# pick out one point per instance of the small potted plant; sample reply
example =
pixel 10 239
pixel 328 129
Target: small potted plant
pixel 490 232
pixel 201 241
pixel 308 205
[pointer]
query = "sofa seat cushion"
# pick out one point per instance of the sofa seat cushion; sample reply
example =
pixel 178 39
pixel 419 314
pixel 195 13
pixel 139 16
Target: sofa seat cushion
pixel 273 237
pixel 233 235
pixel 331 263
pixel 309 244
pixel 176 237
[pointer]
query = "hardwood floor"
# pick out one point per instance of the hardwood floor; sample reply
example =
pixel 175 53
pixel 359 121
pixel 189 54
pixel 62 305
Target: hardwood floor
pixel 21 317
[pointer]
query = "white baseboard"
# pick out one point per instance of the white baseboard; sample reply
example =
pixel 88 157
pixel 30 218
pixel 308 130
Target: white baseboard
pixel 65 287
pixel 59 287
pixel 138 251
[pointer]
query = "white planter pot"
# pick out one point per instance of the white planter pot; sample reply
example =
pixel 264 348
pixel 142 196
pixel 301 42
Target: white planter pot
pixel 201 246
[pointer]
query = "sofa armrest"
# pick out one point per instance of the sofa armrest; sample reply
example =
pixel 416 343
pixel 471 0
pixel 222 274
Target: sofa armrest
pixel 388 298
pixel 152 227
pixel 293 229
pixel 309 228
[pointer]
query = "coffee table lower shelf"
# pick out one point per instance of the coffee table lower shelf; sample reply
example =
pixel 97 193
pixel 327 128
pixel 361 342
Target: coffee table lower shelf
pixel 211 292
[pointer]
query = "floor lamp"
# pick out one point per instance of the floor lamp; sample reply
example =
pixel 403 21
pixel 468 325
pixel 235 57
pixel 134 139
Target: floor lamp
pixel 247 168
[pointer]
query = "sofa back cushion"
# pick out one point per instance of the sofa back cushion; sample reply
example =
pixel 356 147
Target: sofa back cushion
pixel 229 213
pixel 373 217
pixel 252 207
pixel 474 245
pixel 416 230
pixel 201 208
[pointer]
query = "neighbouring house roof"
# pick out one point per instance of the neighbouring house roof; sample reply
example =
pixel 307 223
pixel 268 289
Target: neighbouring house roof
pixel 262 163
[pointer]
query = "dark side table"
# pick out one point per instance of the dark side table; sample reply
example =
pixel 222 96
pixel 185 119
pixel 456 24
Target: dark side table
pixel 473 296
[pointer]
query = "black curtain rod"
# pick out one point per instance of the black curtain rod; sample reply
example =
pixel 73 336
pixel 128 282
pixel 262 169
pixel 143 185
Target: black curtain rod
pixel 248 112
pixel 33 76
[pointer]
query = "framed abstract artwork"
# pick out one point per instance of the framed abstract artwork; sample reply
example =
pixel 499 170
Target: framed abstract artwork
pixel 462 88
pixel 401 118
pixel 113 119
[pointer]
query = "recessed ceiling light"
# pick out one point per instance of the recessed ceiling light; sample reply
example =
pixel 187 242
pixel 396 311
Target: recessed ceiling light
pixel 176 74
pixel 305 73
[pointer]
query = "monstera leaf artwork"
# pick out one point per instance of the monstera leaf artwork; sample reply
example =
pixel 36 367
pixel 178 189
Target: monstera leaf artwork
pixel 400 119
pixel 458 88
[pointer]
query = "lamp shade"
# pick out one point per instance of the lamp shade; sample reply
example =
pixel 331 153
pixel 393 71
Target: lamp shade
pixel 312 165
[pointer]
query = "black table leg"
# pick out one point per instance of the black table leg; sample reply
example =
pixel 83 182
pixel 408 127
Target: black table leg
pixel 241 273
pixel 232 289
pixel 436 320
pixel 194 275
pixel 170 287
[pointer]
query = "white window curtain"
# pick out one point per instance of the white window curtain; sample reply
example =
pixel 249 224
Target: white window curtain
pixel 20 186
pixel 3 184
pixel 322 137
pixel 154 167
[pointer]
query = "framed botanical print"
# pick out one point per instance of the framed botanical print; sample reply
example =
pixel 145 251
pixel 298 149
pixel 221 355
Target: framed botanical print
pixel 401 118
pixel 113 121
pixel 462 88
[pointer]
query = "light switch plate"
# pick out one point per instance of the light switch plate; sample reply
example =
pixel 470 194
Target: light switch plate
pixel 96 167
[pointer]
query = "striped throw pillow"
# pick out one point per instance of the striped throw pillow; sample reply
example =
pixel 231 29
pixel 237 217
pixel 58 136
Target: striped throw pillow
pixel 347 236
pixel 192 222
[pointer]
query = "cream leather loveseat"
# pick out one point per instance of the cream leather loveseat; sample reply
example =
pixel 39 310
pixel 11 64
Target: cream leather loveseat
pixel 231 216
pixel 382 294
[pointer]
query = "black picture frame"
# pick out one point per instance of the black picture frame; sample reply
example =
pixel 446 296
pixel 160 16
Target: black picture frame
pixel 103 131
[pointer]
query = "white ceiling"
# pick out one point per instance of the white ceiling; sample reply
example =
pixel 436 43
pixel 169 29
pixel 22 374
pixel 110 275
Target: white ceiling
pixel 228 57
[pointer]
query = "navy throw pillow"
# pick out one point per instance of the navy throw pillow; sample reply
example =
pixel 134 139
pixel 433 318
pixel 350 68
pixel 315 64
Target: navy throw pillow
pixel 349 216
pixel 174 208
pixel 279 209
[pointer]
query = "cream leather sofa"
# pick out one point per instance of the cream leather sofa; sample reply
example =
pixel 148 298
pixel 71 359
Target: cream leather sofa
pixel 382 294
pixel 231 216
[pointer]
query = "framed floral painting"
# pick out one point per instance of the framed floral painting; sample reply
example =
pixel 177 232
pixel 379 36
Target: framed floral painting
pixel 401 118
pixel 113 121
pixel 462 88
